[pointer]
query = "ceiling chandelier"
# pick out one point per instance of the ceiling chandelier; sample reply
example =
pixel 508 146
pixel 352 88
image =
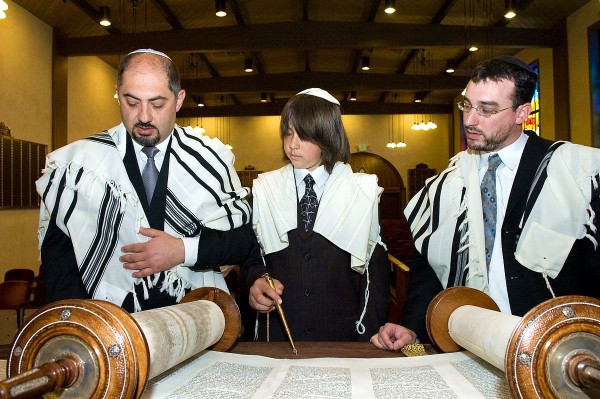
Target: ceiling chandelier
pixel 395 122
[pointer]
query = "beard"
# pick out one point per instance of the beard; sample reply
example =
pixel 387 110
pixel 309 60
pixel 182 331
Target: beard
pixel 489 142
pixel 146 141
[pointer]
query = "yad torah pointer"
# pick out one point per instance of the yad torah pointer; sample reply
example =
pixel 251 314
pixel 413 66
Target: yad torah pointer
pixel 281 315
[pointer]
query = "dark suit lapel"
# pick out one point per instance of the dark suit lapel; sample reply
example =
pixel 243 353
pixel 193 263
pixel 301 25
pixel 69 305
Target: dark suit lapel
pixel 133 171
pixel 158 207
pixel 155 212
pixel 534 152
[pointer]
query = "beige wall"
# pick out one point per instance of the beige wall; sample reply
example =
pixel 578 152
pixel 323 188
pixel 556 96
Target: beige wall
pixel 26 76
pixel 91 89
pixel 256 141
pixel 579 71
pixel 26 98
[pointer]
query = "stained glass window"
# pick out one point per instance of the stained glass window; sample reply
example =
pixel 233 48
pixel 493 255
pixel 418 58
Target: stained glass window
pixel 533 121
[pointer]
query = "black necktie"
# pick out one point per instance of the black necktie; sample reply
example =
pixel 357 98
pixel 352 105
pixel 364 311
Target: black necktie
pixel 488 202
pixel 150 172
pixel 309 203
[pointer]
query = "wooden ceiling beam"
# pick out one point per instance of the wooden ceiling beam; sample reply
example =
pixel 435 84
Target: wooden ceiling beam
pixel 94 14
pixel 310 35
pixel 167 14
pixel 294 82
pixel 348 108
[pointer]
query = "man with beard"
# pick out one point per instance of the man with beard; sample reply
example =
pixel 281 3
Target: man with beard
pixel 142 213
pixel 544 198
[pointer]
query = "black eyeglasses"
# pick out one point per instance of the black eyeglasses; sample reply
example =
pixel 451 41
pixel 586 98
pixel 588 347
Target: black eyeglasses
pixel 481 111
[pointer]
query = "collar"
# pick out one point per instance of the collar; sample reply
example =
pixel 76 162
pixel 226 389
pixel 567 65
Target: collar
pixel 510 155
pixel 320 175
pixel 162 146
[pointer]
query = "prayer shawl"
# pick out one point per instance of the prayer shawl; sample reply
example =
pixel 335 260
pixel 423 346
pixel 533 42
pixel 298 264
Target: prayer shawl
pixel 100 211
pixel 558 212
pixel 348 214
pixel 562 213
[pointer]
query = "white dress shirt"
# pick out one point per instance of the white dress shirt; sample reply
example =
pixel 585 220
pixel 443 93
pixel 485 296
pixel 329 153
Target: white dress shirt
pixel 505 177
pixel 190 244
pixel 320 176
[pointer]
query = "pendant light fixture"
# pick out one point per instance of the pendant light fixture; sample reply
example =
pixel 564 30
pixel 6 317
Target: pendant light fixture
pixel 366 63
pixel 104 16
pixel 509 10
pixel 221 8
pixel 390 6
pixel 394 120
pixel 248 67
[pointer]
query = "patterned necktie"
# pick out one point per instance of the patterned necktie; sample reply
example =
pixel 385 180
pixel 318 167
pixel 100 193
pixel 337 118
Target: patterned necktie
pixel 309 203
pixel 150 172
pixel 488 201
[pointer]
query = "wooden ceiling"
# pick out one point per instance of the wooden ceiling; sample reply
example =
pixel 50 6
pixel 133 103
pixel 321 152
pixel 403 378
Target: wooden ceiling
pixel 296 44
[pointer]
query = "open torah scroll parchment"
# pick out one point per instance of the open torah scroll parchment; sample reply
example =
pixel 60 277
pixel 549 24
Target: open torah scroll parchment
pixel 217 375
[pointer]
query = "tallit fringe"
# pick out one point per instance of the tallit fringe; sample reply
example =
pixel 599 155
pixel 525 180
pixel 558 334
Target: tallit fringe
pixel 464 240
pixel 464 225
pixel 360 327
pixel 136 303
pixel 592 226
pixel 592 215
pixel 464 247
pixel 145 283
pixel 174 285
pixel 86 182
pixel 452 165
pixel 548 285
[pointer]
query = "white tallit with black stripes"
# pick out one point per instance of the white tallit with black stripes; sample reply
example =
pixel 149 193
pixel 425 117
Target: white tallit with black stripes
pixel 446 221
pixel 100 211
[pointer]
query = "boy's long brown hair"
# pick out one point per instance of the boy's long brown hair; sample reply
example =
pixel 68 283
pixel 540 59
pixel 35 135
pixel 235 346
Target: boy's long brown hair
pixel 320 122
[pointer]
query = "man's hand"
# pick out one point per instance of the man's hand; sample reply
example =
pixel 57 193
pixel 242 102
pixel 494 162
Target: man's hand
pixel 393 337
pixel 263 297
pixel 162 252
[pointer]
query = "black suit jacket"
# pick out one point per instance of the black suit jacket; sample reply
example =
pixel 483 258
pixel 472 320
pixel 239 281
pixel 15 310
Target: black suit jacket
pixel 322 296
pixel 580 274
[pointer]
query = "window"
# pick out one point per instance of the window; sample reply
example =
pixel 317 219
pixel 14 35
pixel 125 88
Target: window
pixel 533 121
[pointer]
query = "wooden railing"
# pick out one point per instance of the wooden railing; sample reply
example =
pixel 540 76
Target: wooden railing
pixel 398 288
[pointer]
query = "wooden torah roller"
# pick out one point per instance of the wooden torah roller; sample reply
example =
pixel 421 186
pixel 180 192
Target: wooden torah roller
pixel 95 349
pixel 551 352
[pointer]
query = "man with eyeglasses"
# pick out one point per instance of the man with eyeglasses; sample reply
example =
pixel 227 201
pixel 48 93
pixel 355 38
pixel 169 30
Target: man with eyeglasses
pixel 515 215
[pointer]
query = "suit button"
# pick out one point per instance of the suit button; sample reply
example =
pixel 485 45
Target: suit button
pixel 306 293
pixel 307 331
pixel 307 256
